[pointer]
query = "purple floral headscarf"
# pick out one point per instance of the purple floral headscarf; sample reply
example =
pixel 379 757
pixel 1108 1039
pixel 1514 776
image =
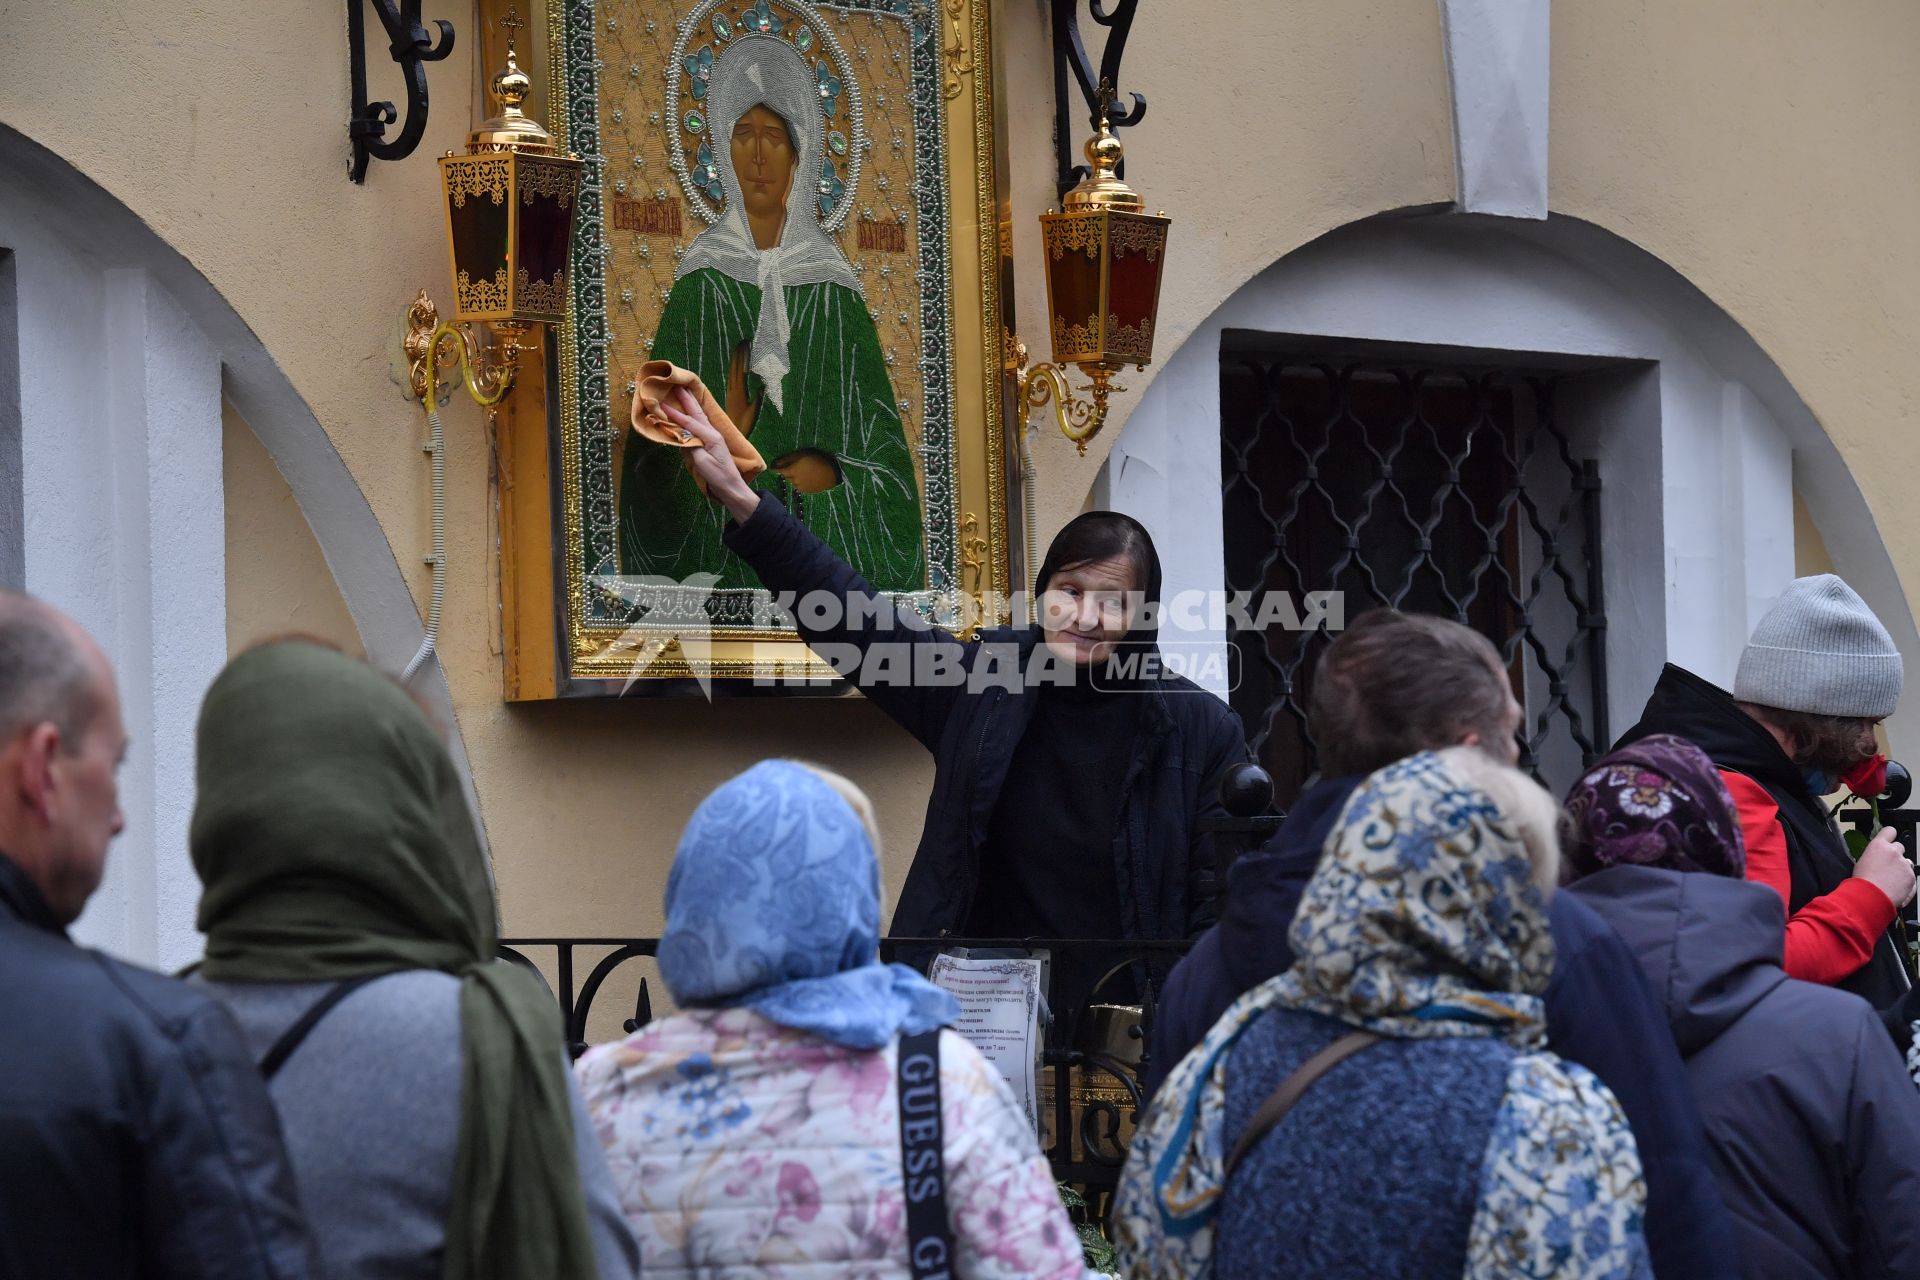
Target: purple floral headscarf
pixel 1657 803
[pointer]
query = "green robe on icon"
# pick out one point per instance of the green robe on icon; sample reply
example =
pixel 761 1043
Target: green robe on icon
pixel 837 398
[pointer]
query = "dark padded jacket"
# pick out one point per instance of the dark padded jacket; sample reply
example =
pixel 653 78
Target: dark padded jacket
pixel 137 1140
pixel 1599 1014
pixel 1707 716
pixel 1812 1122
pixel 1188 737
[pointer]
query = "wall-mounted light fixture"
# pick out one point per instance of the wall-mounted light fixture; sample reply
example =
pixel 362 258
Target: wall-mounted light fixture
pixel 510 210
pixel 1104 256
pixel 510 214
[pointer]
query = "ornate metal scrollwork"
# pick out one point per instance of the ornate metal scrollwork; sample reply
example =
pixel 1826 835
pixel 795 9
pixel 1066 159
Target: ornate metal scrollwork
pixel 1103 1136
pixel 1070 60
pixel 431 346
pixel 1040 384
pixel 411 47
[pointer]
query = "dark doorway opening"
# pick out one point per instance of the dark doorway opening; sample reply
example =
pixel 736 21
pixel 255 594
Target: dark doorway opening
pixel 1423 479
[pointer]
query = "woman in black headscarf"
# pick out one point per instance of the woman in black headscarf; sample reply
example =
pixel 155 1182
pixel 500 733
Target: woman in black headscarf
pixel 1071 771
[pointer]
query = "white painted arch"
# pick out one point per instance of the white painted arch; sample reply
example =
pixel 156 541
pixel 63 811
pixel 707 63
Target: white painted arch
pixel 1699 470
pixel 127 351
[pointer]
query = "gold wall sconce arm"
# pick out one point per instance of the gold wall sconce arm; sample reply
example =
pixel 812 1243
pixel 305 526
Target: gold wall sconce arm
pixel 1043 384
pixel 433 345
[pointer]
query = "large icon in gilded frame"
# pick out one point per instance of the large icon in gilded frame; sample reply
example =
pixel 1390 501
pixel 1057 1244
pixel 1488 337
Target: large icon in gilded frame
pixel 802 203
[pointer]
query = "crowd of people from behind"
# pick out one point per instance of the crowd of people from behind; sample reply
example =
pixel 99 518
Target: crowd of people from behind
pixel 1442 1025
pixel 1459 1040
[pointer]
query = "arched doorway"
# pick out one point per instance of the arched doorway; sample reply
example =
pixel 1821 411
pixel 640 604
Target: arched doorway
pixel 126 359
pixel 1702 447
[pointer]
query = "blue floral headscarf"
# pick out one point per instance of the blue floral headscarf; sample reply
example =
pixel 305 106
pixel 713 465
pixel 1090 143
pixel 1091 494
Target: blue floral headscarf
pixel 1422 921
pixel 774 904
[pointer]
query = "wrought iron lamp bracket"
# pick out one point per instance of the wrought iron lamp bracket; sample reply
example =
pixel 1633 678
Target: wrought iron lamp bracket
pixel 411 46
pixel 487 372
pixel 1046 383
pixel 1070 61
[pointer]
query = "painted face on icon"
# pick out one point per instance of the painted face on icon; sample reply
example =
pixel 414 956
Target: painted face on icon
pixel 764 158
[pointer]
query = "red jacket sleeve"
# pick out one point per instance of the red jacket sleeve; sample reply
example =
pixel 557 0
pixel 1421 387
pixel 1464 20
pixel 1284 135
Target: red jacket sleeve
pixel 1831 937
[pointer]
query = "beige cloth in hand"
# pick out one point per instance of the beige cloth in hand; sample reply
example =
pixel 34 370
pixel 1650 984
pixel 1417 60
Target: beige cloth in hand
pixel 660 379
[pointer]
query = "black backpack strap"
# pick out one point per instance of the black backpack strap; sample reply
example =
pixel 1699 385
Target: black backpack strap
pixel 922 1159
pixel 290 1038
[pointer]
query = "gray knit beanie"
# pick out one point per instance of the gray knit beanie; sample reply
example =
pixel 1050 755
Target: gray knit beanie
pixel 1819 649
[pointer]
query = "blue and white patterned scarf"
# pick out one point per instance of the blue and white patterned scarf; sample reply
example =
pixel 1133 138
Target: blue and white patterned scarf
pixel 774 904
pixel 1422 921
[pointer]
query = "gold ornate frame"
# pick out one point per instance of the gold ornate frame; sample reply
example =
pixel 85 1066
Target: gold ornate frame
pixel 558 641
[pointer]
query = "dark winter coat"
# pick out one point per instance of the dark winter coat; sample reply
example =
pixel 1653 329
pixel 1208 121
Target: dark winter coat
pixel 1599 1014
pixel 1249 945
pixel 1812 1121
pixel 1188 738
pixel 136 1136
pixel 1687 706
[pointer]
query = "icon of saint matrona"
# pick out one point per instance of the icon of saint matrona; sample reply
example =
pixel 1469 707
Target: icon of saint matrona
pixel 767 310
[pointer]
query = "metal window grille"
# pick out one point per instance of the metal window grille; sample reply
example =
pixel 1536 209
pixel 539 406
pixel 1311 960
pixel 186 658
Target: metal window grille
pixel 1443 486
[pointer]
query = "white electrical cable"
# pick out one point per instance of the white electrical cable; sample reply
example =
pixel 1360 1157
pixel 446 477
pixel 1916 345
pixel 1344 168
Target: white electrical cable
pixel 437 447
pixel 1027 500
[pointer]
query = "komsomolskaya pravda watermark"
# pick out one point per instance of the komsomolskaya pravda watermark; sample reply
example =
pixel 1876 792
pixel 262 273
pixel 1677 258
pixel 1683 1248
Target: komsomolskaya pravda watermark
pixel 674 626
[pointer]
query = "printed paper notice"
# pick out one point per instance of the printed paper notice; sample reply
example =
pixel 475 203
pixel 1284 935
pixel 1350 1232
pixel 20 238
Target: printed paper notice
pixel 1000 1016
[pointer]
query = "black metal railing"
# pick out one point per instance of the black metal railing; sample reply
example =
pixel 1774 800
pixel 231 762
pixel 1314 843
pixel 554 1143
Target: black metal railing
pixel 1094 1098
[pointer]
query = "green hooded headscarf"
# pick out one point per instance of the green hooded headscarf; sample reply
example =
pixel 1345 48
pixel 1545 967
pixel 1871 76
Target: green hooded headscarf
pixel 333 841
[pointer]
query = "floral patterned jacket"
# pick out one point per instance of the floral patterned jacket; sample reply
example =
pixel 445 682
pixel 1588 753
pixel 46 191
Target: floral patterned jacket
pixel 742 1148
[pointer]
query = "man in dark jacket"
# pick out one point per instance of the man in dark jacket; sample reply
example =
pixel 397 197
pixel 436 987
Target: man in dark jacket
pixel 136 1136
pixel 1812 1122
pixel 1818 673
pixel 1391 685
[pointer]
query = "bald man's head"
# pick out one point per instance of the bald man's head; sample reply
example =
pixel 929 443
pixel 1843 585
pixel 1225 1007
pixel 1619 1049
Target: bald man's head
pixel 50 670
pixel 61 742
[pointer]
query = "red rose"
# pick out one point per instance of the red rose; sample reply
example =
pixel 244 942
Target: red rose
pixel 1868 779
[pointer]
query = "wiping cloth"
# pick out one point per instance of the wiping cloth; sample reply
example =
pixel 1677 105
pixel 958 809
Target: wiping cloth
pixel 657 384
pixel 333 841
pixel 773 903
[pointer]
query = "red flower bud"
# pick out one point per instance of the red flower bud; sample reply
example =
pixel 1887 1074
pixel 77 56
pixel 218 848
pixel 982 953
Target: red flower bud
pixel 1868 779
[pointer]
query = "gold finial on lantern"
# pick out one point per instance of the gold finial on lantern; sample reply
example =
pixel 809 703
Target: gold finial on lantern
pixel 512 129
pixel 1103 188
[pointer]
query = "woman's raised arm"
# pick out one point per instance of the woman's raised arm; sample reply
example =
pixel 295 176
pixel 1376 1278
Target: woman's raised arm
pixel 912 670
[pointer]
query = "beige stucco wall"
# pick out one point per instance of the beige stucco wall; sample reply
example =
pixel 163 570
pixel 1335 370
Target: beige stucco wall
pixel 1809 548
pixel 1764 148
pixel 222 128
pixel 1767 150
pixel 277 580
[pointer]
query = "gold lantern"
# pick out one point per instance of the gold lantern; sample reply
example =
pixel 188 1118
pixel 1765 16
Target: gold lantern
pixel 510 210
pixel 510 206
pixel 1104 256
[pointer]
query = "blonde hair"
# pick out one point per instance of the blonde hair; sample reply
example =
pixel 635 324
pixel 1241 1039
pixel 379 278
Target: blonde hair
pixel 856 800
pixel 1528 808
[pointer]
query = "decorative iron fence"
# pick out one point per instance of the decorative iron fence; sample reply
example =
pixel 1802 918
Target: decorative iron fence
pixel 1091 1093
pixel 1092 1098
pixel 1443 487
